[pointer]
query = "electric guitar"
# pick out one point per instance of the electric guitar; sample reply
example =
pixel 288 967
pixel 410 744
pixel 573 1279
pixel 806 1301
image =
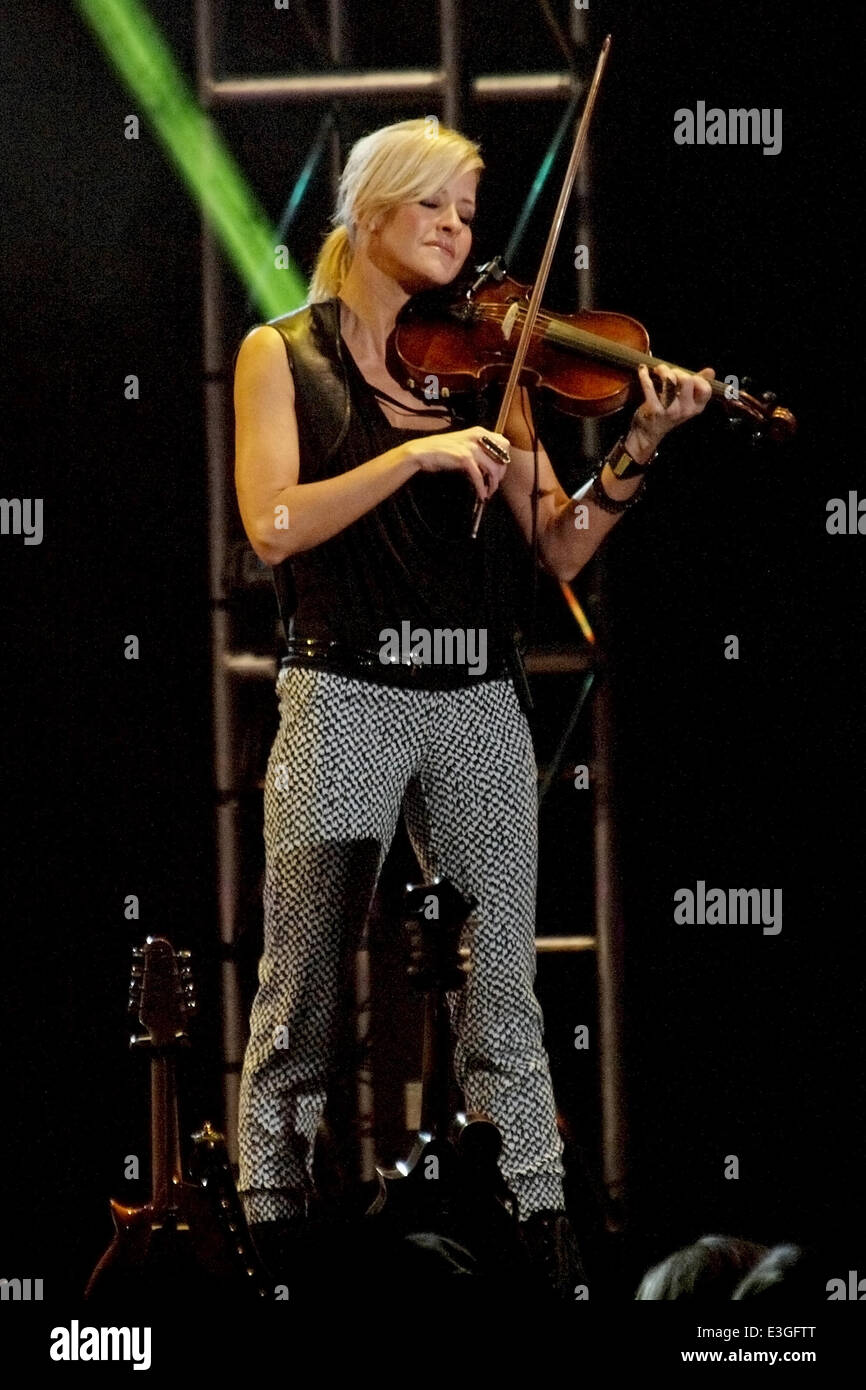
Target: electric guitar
pixel 191 1237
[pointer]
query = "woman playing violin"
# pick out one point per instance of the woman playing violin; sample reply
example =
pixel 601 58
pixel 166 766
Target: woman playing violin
pixel 398 693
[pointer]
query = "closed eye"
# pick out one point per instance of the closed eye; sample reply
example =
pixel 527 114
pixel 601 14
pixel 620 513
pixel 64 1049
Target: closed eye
pixel 467 221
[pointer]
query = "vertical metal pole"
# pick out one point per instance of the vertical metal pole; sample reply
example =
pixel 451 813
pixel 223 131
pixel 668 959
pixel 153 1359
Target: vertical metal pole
pixel 609 930
pixel 219 454
pixel 337 51
pixel 610 945
pixel 449 49
pixel 365 1102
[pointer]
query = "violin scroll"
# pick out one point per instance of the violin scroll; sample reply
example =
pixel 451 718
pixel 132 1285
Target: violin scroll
pixel 768 420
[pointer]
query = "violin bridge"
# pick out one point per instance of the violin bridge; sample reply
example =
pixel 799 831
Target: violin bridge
pixel 510 320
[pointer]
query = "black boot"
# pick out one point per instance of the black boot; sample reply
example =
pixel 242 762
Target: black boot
pixel 281 1247
pixel 553 1254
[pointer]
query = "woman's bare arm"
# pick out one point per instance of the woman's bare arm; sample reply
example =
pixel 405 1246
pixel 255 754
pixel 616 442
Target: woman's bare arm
pixel 283 517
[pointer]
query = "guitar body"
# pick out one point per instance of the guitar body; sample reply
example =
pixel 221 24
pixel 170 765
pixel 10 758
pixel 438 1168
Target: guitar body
pixel 424 1192
pixel 190 1241
pixel 454 1188
pixel 179 1254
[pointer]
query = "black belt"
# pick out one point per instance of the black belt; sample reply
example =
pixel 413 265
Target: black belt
pixel 366 664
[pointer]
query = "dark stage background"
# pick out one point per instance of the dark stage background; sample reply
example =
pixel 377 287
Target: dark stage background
pixel 741 773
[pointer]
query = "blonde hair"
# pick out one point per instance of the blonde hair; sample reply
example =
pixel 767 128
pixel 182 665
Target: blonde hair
pixel 398 164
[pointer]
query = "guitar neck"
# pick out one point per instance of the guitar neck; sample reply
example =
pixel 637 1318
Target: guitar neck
pixel 166 1170
pixel 435 1071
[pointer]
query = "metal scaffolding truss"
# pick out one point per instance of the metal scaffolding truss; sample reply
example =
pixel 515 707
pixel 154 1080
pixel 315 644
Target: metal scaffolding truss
pixel 441 86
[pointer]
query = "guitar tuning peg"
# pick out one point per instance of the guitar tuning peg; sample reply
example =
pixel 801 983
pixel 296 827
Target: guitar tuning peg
pixel 184 955
pixel 769 398
pixel 138 952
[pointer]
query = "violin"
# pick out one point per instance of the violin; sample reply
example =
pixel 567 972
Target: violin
pixel 585 363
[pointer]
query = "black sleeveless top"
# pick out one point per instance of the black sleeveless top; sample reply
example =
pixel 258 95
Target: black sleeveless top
pixel 411 560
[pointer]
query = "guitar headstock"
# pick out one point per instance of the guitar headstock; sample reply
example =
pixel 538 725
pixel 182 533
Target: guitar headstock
pixel 435 914
pixel 161 994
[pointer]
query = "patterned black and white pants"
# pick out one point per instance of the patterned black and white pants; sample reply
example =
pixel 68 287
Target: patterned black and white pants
pixel 348 755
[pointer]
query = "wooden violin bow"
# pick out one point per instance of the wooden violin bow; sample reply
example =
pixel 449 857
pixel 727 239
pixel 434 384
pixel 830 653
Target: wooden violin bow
pixel 546 260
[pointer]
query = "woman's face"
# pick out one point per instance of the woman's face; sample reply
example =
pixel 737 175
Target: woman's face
pixel 425 244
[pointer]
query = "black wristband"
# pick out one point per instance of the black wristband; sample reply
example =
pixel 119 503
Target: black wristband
pixel 613 504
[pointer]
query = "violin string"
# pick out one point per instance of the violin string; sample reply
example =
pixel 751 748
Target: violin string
pixel 496 313
pixel 628 356
pixel 622 355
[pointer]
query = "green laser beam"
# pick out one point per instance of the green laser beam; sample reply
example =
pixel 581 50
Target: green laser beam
pixel 144 61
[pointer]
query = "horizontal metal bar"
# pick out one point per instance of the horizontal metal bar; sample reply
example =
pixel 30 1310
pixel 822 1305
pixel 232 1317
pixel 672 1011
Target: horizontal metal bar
pixel 552 660
pixel 250 664
pixel 325 86
pixel 554 944
pixel 525 86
